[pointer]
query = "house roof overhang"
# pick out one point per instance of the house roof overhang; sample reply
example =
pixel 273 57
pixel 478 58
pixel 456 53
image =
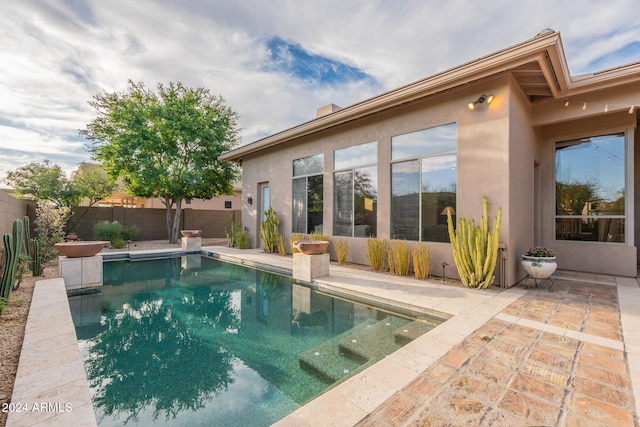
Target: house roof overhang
pixel 538 65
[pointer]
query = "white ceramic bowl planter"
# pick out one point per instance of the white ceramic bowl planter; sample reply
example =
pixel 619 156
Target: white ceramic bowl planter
pixel 539 267
pixel 539 263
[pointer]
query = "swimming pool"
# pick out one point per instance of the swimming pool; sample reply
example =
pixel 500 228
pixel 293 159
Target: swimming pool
pixel 196 341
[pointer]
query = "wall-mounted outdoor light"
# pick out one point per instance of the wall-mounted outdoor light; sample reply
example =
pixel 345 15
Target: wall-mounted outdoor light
pixel 482 99
pixel 250 200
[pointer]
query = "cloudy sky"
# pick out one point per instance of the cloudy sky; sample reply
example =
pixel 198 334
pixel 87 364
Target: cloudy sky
pixel 275 62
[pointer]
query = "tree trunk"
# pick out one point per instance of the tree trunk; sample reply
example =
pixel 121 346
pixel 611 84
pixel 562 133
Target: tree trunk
pixel 176 221
pixel 173 223
pixel 168 203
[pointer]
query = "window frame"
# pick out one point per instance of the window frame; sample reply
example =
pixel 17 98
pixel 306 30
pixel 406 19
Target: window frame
pixel 627 215
pixel 353 168
pixel 305 177
pixel 419 159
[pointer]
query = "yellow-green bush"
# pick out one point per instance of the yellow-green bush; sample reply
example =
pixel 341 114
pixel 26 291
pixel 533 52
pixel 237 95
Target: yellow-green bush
pixel 420 255
pixel 342 249
pixel 377 253
pixel 399 258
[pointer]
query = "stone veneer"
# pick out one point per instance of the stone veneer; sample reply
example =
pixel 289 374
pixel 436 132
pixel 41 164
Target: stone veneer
pixel 84 272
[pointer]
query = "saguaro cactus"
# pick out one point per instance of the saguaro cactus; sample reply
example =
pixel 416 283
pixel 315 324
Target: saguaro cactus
pixel 27 236
pixel 475 248
pixel 37 259
pixel 12 247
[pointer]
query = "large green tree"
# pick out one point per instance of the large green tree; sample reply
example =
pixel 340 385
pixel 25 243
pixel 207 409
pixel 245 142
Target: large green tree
pixel 165 143
pixel 48 182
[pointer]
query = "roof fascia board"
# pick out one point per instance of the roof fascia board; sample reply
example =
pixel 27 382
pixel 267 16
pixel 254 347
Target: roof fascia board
pixel 531 50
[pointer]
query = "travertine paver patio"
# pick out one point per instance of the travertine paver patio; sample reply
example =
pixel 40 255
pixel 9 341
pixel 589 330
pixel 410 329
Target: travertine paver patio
pixel 517 357
pixel 549 358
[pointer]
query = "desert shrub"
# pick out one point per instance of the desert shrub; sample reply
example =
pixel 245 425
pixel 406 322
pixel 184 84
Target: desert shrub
pixel 106 230
pixel 243 240
pixel 281 246
pixel 420 255
pixel 128 233
pixel 399 258
pixel 342 248
pixel 376 253
pixel 319 237
pixel 269 233
pixel 50 224
pixel 118 243
pixel 236 236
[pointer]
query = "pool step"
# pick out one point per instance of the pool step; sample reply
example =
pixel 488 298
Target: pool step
pixel 373 342
pixel 327 361
pixel 356 349
pixel 409 332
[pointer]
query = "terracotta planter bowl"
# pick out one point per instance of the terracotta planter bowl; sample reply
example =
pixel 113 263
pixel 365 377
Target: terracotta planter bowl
pixel 191 233
pixel 81 249
pixel 311 247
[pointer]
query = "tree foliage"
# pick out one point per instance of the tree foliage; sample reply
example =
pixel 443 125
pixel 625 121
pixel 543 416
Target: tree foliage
pixel 165 143
pixel 47 182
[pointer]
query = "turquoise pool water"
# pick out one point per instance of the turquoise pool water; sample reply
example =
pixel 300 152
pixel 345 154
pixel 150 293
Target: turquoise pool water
pixel 196 341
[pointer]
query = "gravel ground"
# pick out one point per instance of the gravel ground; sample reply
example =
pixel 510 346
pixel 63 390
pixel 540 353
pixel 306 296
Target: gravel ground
pixel 14 317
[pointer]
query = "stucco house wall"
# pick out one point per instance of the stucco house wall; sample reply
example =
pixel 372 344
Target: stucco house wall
pixel 505 150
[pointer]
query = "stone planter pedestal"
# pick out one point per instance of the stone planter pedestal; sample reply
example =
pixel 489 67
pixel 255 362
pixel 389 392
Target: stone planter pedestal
pixel 83 272
pixel 191 244
pixel 309 267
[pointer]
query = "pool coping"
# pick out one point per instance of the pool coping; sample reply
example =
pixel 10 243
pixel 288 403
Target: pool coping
pixel 50 342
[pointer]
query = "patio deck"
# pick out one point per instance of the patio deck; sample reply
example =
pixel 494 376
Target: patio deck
pixel 506 357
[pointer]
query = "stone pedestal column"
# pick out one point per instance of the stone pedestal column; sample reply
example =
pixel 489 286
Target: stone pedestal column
pixel 191 261
pixel 309 267
pixel 191 244
pixel 84 272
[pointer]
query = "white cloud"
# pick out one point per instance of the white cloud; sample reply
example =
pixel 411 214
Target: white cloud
pixel 63 52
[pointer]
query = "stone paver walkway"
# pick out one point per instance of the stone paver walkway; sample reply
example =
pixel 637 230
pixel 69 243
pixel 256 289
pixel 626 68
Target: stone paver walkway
pixel 549 358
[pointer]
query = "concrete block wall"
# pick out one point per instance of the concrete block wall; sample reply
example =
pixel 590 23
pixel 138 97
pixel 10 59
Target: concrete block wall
pixel 10 209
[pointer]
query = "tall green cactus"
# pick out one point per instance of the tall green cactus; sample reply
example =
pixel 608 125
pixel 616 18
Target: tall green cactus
pixel 7 277
pixel 269 233
pixel 37 259
pixel 27 236
pixel 13 247
pixel 475 248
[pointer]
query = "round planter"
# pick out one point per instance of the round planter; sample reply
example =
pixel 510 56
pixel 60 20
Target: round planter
pixel 539 267
pixel 311 247
pixel 81 249
pixel 190 233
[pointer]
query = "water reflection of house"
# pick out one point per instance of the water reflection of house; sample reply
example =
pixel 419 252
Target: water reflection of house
pixel 513 125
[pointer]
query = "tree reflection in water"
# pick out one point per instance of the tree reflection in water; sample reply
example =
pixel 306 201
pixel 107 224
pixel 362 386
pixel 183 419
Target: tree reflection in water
pixel 151 346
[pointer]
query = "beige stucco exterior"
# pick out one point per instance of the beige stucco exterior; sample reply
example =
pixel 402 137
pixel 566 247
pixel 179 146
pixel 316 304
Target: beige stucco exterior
pixel 505 150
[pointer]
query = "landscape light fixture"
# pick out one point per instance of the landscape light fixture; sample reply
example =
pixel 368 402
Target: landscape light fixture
pixel 482 99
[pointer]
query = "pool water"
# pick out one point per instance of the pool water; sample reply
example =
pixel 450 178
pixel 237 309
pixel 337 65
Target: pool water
pixel 196 341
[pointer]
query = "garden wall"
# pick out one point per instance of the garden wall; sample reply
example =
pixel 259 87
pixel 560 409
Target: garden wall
pixel 10 209
pixel 152 223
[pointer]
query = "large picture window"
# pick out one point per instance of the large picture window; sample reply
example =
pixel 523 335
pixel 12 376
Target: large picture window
pixel 356 191
pixel 307 194
pixel 591 189
pixel 423 183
